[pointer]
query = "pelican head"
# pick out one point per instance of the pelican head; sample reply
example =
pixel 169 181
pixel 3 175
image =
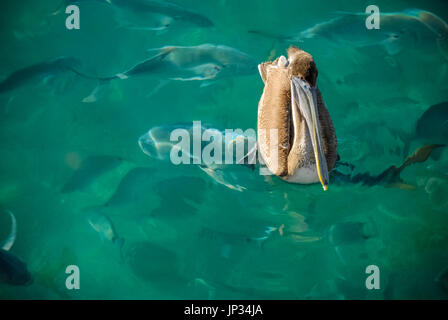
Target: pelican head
pixel 296 136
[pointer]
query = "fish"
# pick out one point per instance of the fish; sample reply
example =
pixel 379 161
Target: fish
pixel 39 72
pixel 349 232
pixel 292 232
pixel 190 63
pixel 91 168
pixel 155 264
pixel 156 144
pixel 167 11
pixel 164 8
pixel 292 106
pixel 204 63
pixel 179 196
pixel 103 225
pixel 13 271
pixel 133 187
pixel 432 126
pixel 410 28
pixel 391 176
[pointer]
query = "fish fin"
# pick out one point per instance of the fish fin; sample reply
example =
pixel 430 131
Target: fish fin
pixel 207 84
pixel 197 78
pixel 159 30
pixel 119 242
pixel 348 13
pixel 406 138
pixel 392 44
pixel 59 8
pixel 269 230
pixel 259 241
pixel 420 155
pixel 157 88
pixel 96 93
pixel 8 104
pixel 391 176
pixel 9 242
pixel 402 186
pixel 413 12
pixel 162 30
pixel 339 254
pixel 161 50
pixel 250 156
pixel 122 76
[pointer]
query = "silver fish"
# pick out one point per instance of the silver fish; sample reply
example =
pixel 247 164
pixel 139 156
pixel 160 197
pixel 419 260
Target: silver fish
pixel 411 28
pixel 156 143
pixel 143 8
pixel 205 62
pixel 104 227
pixel 202 62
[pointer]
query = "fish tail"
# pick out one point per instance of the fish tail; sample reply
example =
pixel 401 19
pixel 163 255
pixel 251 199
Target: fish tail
pixel 87 76
pixel 391 175
pixel 9 242
pixel 258 241
pixel 58 9
pixel 420 155
pixel 269 230
pixel 307 34
pixel 98 91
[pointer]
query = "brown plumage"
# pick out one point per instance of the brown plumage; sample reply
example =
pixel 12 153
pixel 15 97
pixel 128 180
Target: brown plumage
pixel 275 112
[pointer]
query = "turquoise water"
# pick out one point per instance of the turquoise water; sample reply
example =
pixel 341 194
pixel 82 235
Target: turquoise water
pixel 186 235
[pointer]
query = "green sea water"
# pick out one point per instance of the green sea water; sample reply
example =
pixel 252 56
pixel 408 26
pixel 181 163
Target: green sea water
pixel 188 236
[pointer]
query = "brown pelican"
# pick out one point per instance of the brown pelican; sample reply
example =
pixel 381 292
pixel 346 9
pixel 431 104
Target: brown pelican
pixel 296 137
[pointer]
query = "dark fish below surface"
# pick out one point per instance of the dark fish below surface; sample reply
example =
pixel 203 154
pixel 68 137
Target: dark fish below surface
pixel 156 265
pixel 389 177
pixel 38 72
pixel 13 271
pixel 432 126
pixel 133 187
pixel 179 196
pixel 91 168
